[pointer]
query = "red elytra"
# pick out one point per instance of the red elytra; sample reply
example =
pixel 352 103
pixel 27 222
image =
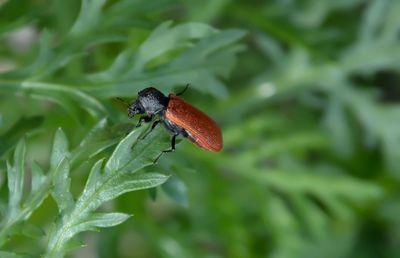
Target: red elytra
pixel 203 131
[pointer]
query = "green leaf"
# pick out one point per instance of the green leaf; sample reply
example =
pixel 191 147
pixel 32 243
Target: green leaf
pixel 102 187
pixel 114 186
pixel 147 150
pixel 122 63
pixel 372 19
pixel 88 17
pixel 132 182
pixel 94 133
pixel 18 131
pixel 64 95
pixel 99 138
pixel 17 212
pixel 100 220
pixel 94 177
pixel 15 175
pixel 164 39
pixel 41 60
pixel 212 56
pixel 38 177
pixel 208 54
pixel 61 193
pixel 81 219
pixel 122 153
pixel 91 223
pixel 40 189
pixel 60 149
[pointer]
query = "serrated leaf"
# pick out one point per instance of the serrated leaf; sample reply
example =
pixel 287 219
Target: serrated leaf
pixel 16 214
pixel 132 182
pixel 123 152
pixel 60 149
pixel 61 192
pixel 107 186
pixel 100 220
pixel 120 184
pixel 146 150
pixel 38 177
pixel 94 177
pixel 176 189
pixel 16 174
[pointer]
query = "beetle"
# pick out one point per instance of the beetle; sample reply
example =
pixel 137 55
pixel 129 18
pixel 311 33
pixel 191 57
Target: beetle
pixel 178 117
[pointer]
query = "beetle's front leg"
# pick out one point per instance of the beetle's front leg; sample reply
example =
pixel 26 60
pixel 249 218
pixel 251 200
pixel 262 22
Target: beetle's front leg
pixel 145 118
pixel 155 123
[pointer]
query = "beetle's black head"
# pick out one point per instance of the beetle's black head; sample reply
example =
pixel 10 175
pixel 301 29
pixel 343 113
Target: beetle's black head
pixel 135 108
pixel 150 101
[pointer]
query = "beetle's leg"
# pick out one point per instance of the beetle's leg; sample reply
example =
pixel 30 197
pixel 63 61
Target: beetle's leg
pixel 155 123
pixel 172 143
pixel 145 118
pixel 169 150
pixel 183 91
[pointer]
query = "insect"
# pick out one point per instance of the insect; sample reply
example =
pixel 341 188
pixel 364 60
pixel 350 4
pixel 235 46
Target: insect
pixel 178 116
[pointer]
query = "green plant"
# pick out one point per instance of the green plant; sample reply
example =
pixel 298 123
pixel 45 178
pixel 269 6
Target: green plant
pixel 310 124
pixel 56 71
pixel 117 176
pixel 104 184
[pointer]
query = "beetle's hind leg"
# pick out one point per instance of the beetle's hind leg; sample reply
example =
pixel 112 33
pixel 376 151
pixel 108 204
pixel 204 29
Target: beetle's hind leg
pixel 173 140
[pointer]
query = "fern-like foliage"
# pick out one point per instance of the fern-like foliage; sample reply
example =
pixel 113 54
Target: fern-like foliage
pixel 18 210
pixel 106 181
pixel 374 49
pixel 203 53
pixel 61 69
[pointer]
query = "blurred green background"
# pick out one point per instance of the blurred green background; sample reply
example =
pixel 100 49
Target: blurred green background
pixel 306 92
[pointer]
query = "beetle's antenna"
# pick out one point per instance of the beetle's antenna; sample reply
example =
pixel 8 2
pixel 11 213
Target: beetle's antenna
pixel 123 101
pixel 183 91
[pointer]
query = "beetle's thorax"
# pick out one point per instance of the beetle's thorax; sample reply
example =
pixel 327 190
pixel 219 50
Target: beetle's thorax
pixel 152 101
